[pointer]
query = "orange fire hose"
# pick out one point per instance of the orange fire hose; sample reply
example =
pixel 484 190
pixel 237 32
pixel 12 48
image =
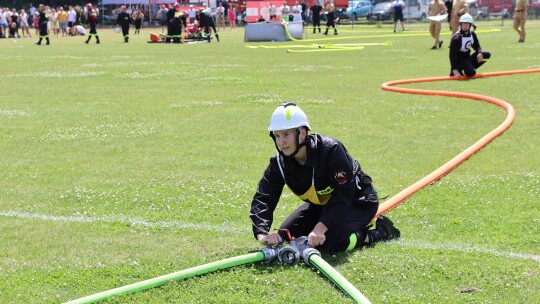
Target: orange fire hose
pixel 399 198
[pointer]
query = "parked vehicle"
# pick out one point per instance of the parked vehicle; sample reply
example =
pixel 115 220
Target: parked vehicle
pixel 416 9
pixel 484 8
pixel 534 9
pixel 357 9
pixel 381 11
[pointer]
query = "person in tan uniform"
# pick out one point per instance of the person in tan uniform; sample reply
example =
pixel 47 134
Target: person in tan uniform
pixel 459 8
pixel 520 16
pixel 436 8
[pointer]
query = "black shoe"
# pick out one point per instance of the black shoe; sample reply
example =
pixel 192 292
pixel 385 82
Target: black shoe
pixel 440 43
pixel 434 47
pixel 86 41
pixel 383 230
pixel 335 33
pixel 313 31
pixel 38 43
pixel 521 40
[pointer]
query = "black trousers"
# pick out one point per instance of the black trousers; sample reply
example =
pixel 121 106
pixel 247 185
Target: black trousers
pixel 469 66
pixel 302 221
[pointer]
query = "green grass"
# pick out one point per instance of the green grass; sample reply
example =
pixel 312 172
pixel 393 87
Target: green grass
pixel 124 162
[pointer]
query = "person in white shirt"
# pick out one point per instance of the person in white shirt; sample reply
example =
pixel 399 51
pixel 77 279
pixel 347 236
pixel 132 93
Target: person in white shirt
pixel 72 16
pixel 220 16
pixel 285 11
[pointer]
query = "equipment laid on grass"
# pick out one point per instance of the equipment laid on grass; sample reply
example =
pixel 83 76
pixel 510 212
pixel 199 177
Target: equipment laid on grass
pixel 288 255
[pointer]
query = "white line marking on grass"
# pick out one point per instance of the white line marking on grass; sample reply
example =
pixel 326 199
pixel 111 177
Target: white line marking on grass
pixel 465 248
pixel 123 220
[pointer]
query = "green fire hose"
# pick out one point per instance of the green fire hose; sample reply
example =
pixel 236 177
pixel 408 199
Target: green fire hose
pixel 176 276
pixel 287 255
pixel 316 261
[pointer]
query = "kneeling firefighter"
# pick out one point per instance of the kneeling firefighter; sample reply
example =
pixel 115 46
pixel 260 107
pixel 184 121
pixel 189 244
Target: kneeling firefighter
pixel 340 201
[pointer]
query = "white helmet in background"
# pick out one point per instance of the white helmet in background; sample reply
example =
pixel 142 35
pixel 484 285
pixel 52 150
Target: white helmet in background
pixel 466 18
pixel 288 116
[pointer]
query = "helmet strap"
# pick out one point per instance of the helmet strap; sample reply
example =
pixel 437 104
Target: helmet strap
pixel 298 144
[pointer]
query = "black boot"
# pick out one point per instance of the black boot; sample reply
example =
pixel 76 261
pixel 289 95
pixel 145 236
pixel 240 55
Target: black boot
pixel 97 40
pixel 217 37
pixel 335 32
pixel 39 41
pixel 313 30
pixel 326 32
pixel 319 29
pixel 88 40
pixel 383 230
pixel 48 42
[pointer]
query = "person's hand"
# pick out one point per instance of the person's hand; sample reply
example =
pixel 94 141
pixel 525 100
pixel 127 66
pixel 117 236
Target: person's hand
pixel 479 57
pixel 456 73
pixel 316 238
pixel 269 239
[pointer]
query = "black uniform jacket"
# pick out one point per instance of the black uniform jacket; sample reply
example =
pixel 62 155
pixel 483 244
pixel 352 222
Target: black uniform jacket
pixel 460 47
pixel 336 174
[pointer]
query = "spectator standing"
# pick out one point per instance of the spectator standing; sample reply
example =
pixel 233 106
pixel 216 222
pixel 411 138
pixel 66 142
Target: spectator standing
pixel 285 11
pixel 35 22
pixel 15 22
pixel 220 16
pixel 3 22
pixel 31 10
pixel 398 6
pixel 232 18
pixel 62 21
pixel 436 8
pixel 316 10
pixel 192 14
pixel 138 18
pixel 520 16
pixel 24 24
pixel 272 12
pixel 162 16
pixel 55 26
pixel 124 21
pixel 71 18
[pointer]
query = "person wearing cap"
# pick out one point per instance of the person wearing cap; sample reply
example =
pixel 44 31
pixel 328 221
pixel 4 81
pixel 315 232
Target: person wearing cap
pixel 520 16
pixel 461 61
pixel 124 21
pixel 339 200
pixel 91 18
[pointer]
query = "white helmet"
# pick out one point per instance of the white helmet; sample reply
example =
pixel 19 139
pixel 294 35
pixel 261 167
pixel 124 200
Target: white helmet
pixel 288 116
pixel 466 18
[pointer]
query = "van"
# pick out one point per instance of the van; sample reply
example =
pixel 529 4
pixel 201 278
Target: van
pixel 416 9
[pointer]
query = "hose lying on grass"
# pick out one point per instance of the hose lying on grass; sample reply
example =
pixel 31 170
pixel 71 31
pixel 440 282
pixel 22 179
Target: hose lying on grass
pixel 291 254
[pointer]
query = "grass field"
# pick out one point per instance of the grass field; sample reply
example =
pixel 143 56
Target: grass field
pixel 123 162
